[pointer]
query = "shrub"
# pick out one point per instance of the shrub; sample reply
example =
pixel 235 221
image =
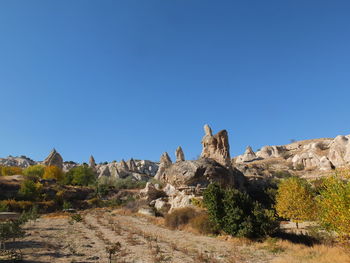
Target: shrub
pixel 30 190
pixel 180 217
pixel 53 172
pixel 202 224
pixel 128 183
pixel 295 200
pixel 334 205
pixel 80 175
pixel 11 170
pixel 237 214
pixel 35 171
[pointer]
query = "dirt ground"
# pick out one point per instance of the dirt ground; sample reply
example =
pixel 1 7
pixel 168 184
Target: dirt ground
pixel 56 239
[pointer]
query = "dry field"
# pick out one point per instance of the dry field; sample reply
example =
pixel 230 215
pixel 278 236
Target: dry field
pixel 54 239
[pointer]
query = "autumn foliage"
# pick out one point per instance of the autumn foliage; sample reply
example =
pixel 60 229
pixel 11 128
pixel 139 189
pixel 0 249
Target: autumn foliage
pixel 295 200
pixel 53 172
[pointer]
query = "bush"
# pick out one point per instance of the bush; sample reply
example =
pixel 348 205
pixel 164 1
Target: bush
pixel 30 190
pixel 11 170
pixel 80 175
pixel 53 172
pixel 128 183
pixel 237 214
pixel 35 171
pixel 202 224
pixel 180 217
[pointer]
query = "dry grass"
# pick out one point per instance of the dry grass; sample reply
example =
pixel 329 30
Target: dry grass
pixel 294 253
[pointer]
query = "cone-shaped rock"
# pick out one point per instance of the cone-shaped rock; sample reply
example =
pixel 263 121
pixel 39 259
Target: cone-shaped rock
pixel 54 158
pixel 165 162
pixel 180 156
pixel 124 166
pixel 92 162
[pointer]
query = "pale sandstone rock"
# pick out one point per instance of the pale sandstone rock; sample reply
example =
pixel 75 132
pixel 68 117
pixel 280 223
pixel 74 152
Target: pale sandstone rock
pixel 216 146
pixel 150 192
pixel 180 156
pixel 165 162
pixel 339 151
pixel 203 172
pixel 54 159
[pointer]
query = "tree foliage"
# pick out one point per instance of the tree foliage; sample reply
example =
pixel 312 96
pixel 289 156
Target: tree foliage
pixel 53 172
pixel 80 175
pixel 35 171
pixel 237 214
pixel 334 203
pixel 295 200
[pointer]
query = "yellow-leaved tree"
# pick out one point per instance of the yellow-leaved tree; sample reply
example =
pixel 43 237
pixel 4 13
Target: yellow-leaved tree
pixel 295 200
pixel 53 172
pixel 334 203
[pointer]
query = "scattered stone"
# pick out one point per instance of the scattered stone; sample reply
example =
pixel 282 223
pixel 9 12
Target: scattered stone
pixel 148 211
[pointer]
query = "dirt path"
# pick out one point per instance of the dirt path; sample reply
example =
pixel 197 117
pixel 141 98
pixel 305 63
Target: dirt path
pixel 54 239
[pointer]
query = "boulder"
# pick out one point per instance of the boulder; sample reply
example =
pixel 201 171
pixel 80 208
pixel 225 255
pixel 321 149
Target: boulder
pixel 180 200
pixel 150 192
pixel 216 146
pixel 162 205
pixel 54 159
pixel 199 172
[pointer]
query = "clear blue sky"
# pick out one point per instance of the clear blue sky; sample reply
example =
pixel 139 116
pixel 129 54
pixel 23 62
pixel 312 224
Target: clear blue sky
pixel 121 79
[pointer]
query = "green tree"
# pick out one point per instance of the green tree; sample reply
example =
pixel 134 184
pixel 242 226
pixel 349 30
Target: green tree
pixel 237 214
pixel 35 171
pixel 80 175
pixel 295 200
pixel 334 203
pixel 213 200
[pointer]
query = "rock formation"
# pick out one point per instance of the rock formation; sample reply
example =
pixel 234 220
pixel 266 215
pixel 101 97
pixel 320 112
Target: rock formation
pixel 248 156
pixel 339 151
pixel 132 165
pixel 165 162
pixel 200 172
pixel 180 156
pixel 216 146
pixel 92 163
pixel 55 159
pixel 124 165
pixel 21 161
